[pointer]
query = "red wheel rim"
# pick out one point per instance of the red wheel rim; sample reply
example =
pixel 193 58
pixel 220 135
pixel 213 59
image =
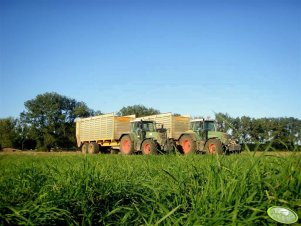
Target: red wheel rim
pixel 147 149
pixel 212 148
pixel 126 146
pixel 186 146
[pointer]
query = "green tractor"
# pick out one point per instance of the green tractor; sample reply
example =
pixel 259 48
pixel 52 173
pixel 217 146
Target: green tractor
pixel 204 137
pixel 145 137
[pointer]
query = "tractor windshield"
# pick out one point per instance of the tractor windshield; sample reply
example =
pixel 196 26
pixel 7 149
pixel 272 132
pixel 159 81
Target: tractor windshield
pixel 195 126
pixel 148 126
pixel 210 126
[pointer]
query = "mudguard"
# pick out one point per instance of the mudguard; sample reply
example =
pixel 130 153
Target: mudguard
pixel 192 134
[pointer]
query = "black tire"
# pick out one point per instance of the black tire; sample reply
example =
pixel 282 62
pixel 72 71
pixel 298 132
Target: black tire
pixel 214 146
pixel 126 145
pixel 188 145
pixel 85 148
pixel 93 148
pixel 149 147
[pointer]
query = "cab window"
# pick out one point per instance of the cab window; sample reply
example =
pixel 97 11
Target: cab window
pixel 196 126
pixel 210 125
pixel 148 126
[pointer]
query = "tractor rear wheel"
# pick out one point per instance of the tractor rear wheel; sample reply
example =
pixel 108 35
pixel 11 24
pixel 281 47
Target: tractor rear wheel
pixel 188 145
pixel 93 148
pixel 149 147
pixel 126 145
pixel 214 146
pixel 85 148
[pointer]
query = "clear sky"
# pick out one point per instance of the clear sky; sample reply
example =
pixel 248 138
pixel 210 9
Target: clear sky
pixel 241 57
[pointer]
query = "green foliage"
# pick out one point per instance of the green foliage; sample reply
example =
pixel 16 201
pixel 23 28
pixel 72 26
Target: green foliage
pixel 283 133
pixel 50 118
pixel 95 113
pixel 146 190
pixel 8 133
pixel 24 139
pixel 138 110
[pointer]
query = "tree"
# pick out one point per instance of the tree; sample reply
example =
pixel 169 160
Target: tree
pixel 95 113
pixel 50 118
pixel 138 110
pixel 284 133
pixel 223 121
pixel 245 129
pixel 24 139
pixel 8 132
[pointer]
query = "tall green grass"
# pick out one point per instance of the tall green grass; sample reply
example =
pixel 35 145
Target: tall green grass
pixel 146 190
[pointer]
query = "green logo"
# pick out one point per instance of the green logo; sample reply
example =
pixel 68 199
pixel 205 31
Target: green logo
pixel 282 214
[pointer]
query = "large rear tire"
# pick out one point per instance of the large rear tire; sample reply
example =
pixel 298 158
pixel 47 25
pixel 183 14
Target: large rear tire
pixel 126 145
pixel 188 145
pixel 93 148
pixel 149 147
pixel 214 146
pixel 85 148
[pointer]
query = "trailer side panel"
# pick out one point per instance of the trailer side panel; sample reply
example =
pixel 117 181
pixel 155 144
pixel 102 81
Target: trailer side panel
pixel 101 128
pixel 175 125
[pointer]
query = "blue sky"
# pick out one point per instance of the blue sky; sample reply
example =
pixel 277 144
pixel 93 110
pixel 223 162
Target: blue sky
pixel 189 57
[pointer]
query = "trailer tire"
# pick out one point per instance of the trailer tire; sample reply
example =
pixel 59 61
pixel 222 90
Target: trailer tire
pixel 85 148
pixel 93 148
pixel 214 146
pixel 188 145
pixel 149 147
pixel 126 145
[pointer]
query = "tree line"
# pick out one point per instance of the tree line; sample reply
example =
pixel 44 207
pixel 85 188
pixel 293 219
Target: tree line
pixel 282 133
pixel 48 123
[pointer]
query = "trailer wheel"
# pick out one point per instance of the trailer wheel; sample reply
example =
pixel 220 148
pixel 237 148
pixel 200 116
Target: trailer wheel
pixel 188 145
pixel 93 148
pixel 126 145
pixel 149 147
pixel 214 146
pixel 85 148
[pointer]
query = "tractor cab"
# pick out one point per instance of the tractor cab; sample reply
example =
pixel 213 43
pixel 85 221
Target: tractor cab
pixel 198 125
pixel 144 129
pixel 203 127
pixel 147 134
pixel 207 129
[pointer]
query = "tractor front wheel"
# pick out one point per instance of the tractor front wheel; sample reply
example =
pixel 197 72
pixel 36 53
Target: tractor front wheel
pixel 149 147
pixel 214 146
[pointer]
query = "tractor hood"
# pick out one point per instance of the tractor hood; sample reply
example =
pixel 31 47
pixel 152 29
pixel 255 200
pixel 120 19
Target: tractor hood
pixel 152 135
pixel 223 137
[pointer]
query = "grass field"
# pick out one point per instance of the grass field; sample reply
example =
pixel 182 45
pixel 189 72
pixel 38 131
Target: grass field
pixel 74 189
